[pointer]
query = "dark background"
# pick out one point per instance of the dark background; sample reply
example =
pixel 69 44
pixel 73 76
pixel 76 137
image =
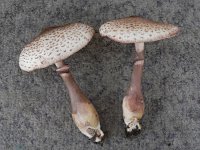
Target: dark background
pixel 34 112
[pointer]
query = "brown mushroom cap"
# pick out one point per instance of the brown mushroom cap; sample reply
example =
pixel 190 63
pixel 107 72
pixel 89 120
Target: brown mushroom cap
pixel 136 30
pixel 55 44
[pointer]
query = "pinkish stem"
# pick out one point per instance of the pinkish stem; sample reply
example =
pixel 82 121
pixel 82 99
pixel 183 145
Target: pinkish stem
pixel 136 78
pixel 84 114
pixel 76 95
pixel 133 102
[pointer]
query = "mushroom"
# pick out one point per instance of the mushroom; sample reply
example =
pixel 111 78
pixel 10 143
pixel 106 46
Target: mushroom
pixel 136 30
pixel 52 46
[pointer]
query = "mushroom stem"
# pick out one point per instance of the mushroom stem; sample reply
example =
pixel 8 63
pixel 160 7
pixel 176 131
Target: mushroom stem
pixel 84 114
pixel 76 95
pixel 138 69
pixel 133 102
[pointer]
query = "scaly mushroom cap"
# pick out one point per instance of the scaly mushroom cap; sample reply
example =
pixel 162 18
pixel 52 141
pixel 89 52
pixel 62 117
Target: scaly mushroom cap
pixel 136 30
pixel 55 44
